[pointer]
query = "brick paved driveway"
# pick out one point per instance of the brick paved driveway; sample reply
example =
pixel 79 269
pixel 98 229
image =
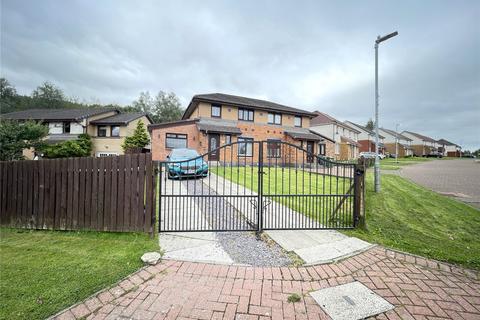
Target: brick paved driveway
pixel 419 289
pixel 458 178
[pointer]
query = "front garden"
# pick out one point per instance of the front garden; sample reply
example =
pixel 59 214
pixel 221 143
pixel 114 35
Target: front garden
pixel 43 272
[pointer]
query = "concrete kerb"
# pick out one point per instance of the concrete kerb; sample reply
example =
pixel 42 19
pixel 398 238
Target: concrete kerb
pixel 431 264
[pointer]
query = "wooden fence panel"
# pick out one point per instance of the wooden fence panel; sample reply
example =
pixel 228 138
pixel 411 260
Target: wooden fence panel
pixel 110 194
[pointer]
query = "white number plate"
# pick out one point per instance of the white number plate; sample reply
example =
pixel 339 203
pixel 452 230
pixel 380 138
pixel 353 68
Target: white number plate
pixel 191 171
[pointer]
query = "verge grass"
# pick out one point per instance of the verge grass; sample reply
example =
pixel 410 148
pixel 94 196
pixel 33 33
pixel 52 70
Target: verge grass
pixel 43 272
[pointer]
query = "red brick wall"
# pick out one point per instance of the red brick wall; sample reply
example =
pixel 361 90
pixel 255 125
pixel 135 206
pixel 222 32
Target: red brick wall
pixel 158 135
pixel 198 140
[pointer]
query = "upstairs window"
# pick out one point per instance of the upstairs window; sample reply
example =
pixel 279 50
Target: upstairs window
pixel 216 111
pixel 298 121
pixel 101 131
pixel 274 118
pixel 115 131
pixel 245 114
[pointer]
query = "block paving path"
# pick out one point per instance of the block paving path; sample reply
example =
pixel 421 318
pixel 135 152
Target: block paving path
pixel 419 289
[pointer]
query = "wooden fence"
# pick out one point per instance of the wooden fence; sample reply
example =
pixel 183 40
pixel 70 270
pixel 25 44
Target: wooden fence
pixel 105 194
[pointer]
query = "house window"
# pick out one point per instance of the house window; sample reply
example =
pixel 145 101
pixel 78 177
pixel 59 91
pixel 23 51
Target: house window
pixel 66 127
pixel 274 118
pixel 273 148
pixel 216 111
pixel 245 114
pixel 101 131
pixel 228 138
pixel 298 121
pixel 175 141
pixel 321 149
pixel 115 131
pixel 106 154
pixel 245 147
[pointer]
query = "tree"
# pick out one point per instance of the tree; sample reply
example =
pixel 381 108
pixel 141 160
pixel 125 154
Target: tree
pixel 164 107
pixel 49 96
pixel 144 103
pixel 16 136
pixel 81 147
pixel 370 124
pixel 476 153
pixel 138 140
pixel 8 95
pixel 167 107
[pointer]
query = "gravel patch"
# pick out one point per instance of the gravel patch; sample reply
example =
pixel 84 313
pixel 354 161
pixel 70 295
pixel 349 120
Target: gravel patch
pixel 243 247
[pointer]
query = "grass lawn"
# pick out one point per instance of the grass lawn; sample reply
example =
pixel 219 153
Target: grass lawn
pixel 410 218
pixel 43 272
pixel 403 216
pixel 392 164
pixel 278 181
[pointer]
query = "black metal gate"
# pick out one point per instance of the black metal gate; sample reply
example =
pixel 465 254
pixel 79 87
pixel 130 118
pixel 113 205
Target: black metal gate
pixel 254 186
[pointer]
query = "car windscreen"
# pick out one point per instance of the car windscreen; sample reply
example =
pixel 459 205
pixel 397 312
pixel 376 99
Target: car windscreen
pixel 184 153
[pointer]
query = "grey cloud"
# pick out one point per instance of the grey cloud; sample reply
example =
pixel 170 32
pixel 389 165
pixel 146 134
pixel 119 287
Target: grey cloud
pixel 310 54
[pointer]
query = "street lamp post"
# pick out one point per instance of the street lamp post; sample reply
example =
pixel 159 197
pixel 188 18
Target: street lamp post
pixel 377 158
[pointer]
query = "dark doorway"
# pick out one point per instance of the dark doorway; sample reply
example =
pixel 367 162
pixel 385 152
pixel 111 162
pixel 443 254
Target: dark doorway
pixel 213 143
pixel 310 146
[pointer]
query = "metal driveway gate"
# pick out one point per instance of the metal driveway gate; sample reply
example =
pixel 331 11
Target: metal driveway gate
pixel 257 185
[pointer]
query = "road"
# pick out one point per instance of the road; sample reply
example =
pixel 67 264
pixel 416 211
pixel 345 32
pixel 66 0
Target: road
pixel 456 178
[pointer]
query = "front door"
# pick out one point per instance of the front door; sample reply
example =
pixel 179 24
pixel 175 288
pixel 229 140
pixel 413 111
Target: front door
pixel 213 143
pixel 310 145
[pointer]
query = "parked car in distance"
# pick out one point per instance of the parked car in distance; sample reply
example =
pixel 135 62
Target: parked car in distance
pixel 186 163
pixel 371 155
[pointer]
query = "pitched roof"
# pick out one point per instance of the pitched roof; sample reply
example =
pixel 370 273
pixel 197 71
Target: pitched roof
pixel 395 134
pixel 56 114
pixel 121 118
pixel 242 102
pixel 349 141
pixel 420 136
pixel 171 124
pixel 371 132
pixel 323 118
pixel 304 134
pixel 447 143
pixel 217 125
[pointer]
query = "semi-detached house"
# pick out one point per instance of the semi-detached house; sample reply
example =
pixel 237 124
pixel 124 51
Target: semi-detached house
pixel 106 126
pixel 345 137
pixel 366 138
pixel 395 142
pixel 213 120
pixel 421 144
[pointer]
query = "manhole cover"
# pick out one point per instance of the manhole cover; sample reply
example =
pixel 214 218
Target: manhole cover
pixel 350 301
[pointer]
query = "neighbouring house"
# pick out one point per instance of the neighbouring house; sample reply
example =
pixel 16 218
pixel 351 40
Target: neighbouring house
pixel 344 136
pixel 366 138
pixel 106 126
pixel 449 149
pixel 213 120
pixel 396 143
pixel 422 145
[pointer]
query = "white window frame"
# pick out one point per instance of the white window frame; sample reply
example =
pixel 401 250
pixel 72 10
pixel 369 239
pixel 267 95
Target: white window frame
pixel 248 142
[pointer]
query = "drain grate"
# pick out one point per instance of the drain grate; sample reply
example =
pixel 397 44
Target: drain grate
pixel 350 301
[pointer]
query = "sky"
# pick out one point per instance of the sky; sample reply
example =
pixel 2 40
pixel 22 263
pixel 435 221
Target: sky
pixel 313 55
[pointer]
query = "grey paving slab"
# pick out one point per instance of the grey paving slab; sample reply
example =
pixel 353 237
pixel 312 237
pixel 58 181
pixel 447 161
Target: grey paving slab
pixel 194 246
pixel 332 251
pixel 350 301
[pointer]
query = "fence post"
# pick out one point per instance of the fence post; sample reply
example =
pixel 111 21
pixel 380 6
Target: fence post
pixel 260 187
pixel 359 198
